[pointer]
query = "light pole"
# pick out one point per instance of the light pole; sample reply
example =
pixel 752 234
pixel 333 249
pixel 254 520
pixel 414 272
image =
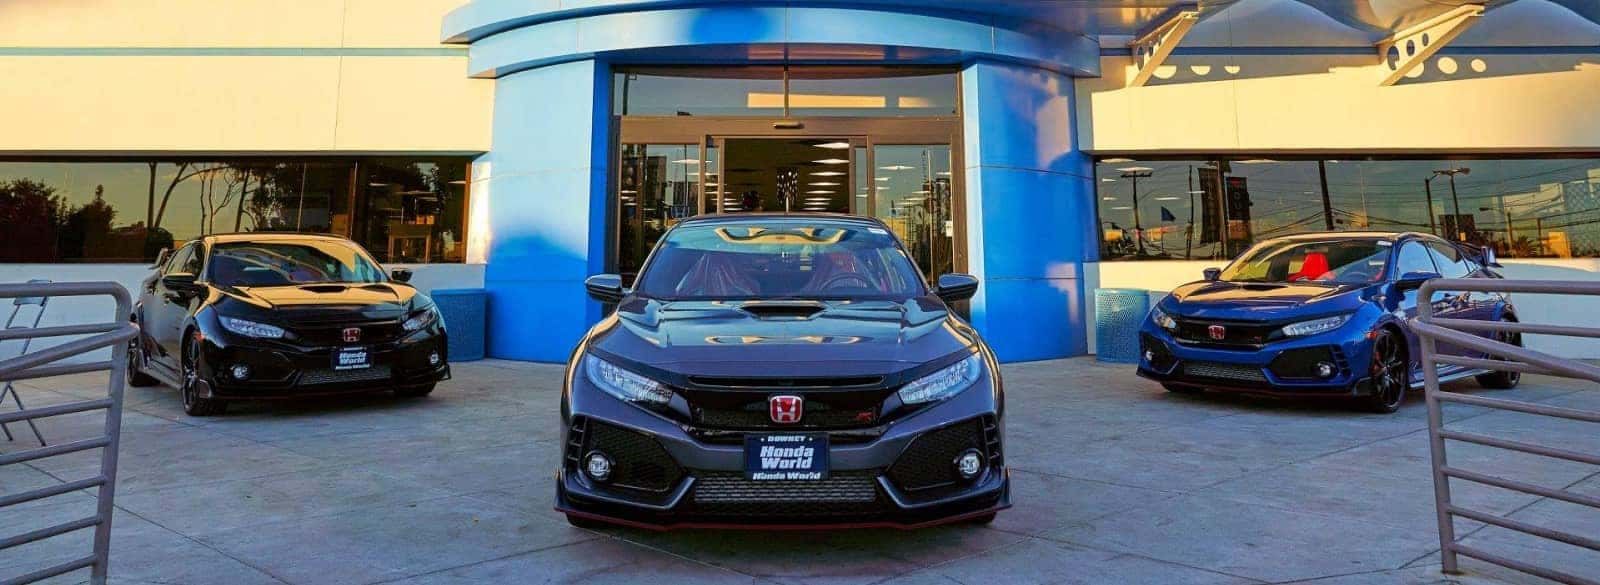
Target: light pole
pixel 1134 174
pixel 1459 235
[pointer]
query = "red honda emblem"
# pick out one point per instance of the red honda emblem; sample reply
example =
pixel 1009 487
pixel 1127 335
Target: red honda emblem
pixel 785 409
pixel 1217 332
pixel 352 334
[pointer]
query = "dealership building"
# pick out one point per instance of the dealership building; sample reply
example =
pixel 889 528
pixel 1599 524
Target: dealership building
pixel 1049 148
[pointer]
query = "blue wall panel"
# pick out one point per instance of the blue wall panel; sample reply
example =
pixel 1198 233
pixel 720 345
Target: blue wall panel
pixel 546 190
pixel 1029 205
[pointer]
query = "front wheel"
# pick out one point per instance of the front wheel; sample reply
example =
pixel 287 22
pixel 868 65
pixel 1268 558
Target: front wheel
pixel 1391 372
pixel 193 404
pixel 1503 380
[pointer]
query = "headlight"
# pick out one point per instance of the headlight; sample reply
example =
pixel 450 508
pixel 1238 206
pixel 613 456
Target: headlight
pixel 1162 319
pixel 624 384
pixel 1315 326
pixel 943 383
pixel 251 328
pixel 422 319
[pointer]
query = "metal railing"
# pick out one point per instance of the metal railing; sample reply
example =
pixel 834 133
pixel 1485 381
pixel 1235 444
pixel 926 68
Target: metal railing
pixel 43 363
pixel 1460 334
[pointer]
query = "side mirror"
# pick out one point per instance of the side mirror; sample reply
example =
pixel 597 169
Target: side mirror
pixel 182 283
pixel 401 274
pixel 1491 259
pixel 606 288
pixel 1212 274
pixel 956 287
pixel 1414 280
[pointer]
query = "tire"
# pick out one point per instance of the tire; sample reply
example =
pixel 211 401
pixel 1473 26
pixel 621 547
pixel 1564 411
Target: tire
pixel 1503 380
pixel 414 391
pixel 1182 388
pixel 585 523
pixel 136 376
pixel 190 378
pixel 1391 373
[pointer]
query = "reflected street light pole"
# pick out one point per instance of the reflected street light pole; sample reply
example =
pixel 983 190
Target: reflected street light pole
pixel 1459 235
pixel 1135 174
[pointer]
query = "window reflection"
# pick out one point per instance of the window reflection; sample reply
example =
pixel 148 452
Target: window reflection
pixel 659 185
pixel 760 91
pixel 128 210
pixel 913 185
pixel 1214 208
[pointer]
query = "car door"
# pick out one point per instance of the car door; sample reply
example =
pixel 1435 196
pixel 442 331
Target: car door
pixel 1412 257
pixel 1451 304
pixel 171 307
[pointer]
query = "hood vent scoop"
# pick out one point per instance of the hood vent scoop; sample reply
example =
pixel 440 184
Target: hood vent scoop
pixel 324 288
pixel 783 310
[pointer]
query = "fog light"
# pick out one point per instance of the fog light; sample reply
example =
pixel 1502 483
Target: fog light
pixel 1325 369
pixel 1149 356
pixel 433 358
pixel 597 466
pixel 240 372
pixel 969 464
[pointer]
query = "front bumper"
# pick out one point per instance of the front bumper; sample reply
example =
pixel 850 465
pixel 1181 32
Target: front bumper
pixel 1260 370
pixel 889 480
pixel 283 370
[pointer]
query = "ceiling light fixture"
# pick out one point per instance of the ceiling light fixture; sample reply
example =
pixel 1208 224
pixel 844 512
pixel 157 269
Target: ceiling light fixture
pixel 825 184
pixel 1135 169
pixel 686 161
pixel 828 174
pixel 832 161
pixel 834 145
pixel 1118 160
pixel 1168 198
pixel 897 168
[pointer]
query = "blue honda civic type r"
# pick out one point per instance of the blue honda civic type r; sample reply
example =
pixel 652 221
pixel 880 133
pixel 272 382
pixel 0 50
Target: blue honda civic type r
pixel 1319 314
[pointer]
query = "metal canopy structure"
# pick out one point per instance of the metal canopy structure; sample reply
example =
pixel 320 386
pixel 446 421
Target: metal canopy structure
pixel 1151 48
pixel 1403 51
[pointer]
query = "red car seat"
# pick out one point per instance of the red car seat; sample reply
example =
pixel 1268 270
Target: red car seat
pixel 1314 266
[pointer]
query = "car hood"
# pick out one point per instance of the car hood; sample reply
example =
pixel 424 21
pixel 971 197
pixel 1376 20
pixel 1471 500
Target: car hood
pixel 322 301
pixel 1261 301
pixel 783 338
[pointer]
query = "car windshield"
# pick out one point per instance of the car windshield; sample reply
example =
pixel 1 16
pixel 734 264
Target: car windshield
pixel 780 259
pixel 290 263
pixel 1344 261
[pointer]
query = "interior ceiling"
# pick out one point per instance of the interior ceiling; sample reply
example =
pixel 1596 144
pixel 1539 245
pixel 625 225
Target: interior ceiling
pixel 754 164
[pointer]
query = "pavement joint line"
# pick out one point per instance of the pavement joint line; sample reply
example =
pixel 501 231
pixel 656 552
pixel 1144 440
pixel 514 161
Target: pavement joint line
pixel 1090 480
pixel 680 556
pixel 1133 554
pixel 202 544
pixel 476 563
pixel 1481 527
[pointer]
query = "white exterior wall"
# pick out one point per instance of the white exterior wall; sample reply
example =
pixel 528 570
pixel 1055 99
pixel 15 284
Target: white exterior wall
pixel 82 310
pixel 1164 275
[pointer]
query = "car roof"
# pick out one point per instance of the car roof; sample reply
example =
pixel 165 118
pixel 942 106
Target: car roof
pixel 756 217
pixel 269 237
pixel 1390 236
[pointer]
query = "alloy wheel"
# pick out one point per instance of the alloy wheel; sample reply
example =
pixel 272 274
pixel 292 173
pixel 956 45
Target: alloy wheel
pixel 1389 370
pixel 191 373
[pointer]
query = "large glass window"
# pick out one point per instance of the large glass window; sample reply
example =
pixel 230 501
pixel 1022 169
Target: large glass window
pixel 129 210
pixel 1213 208
pixel 785 91
pixel 660 184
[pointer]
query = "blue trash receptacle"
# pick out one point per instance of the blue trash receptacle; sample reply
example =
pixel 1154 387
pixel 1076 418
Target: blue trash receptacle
pixel 1118 312
pixel 466 317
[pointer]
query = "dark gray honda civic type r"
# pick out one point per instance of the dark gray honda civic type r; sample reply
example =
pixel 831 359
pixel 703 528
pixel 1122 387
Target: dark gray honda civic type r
pixel 781 371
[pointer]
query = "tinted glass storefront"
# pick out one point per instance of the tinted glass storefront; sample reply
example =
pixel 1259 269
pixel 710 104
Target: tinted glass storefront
pixel 1213 208
pixel 401 209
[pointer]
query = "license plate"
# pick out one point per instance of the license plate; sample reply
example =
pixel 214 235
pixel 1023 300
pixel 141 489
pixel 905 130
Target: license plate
pixel 351 358
pixel 799 457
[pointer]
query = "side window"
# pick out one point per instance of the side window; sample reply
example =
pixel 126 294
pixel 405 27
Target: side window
pixel 1451 263
pixel 1413 258
pixel 180 259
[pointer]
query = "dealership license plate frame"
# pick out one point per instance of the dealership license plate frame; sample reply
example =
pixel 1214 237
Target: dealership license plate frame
pixel 341 364
pixel 818 469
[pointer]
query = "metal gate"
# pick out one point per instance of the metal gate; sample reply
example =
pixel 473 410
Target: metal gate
pixel 43 363
pixel 1460 333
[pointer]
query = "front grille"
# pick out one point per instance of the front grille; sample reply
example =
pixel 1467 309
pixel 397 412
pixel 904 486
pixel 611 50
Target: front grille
pixel 1235 333
pixel 333 333
pixel 1222 371
pixel 319 377
pixel 844 493
pixel 637 461
pixel 929 462
pixel 755 415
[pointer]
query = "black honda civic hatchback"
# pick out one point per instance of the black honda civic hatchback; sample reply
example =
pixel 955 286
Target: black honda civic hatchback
pixel 262 316
pixel 781 371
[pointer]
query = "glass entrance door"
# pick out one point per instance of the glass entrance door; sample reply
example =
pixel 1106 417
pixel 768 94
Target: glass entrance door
pixel 785 175
pixel 913 192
